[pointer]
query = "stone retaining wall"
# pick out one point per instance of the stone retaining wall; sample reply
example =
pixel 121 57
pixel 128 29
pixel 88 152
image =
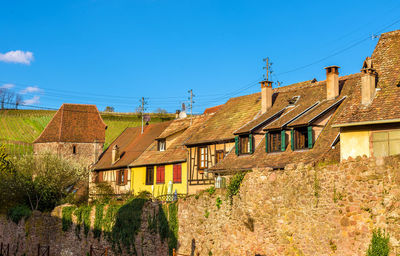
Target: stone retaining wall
pixel 303 210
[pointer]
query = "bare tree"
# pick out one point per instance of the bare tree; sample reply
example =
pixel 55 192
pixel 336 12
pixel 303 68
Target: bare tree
pixel 10 96
pixel 18 100
pixel 2 97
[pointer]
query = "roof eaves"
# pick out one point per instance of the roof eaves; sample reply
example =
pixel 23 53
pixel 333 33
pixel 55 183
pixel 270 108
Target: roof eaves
pixel 299 115
pixel 263 122
pixel 386 121
pixel 327 109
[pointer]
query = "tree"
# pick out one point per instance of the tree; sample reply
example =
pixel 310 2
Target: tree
pixel 109 109
pixel 46 179
pixel 18 100
pixel 161 111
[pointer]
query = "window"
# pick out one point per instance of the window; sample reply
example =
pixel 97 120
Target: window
pixel 203 158
pixel 149 175
pixel 177 175
pixel 74 149
pixel 386 143
pixel 275 141
pixel 219 156
pixel 160 175
pixel 98 177
pixel 303 138
pixel 162 145
pixel 244 142
pixel 122 177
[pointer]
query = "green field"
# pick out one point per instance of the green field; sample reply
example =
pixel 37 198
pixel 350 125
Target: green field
pixel 26 125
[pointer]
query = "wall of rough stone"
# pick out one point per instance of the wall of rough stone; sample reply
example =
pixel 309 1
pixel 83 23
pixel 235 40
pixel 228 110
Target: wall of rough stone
pixel 302 210
pixel 46 229
pixel 86 153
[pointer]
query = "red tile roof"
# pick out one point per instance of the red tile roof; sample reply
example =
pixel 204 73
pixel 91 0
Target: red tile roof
pixel 131 144
pixel 212 109
pixel 74 123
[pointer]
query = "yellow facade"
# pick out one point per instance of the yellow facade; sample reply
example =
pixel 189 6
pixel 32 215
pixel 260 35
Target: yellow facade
pixel 138 181
pixel 353 143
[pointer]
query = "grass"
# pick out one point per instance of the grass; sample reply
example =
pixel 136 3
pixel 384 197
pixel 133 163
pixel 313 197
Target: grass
pixel 26 125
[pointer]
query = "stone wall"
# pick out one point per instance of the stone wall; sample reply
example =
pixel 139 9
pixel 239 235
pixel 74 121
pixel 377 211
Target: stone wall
pixel 86 153
pixel 46 229
pixel 303 210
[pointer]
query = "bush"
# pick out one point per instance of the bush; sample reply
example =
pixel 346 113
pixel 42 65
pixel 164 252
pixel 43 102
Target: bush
pixel 66 218
pixel 379 244
pixel 234 184
pixel 17 213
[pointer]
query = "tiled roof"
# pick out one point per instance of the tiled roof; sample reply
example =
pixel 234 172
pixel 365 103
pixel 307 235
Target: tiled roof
pixel 175 127
pixel 314 113
pixel 231 116
pixel 74 123
pixel 212 109
pixel 385 106
pixel 131 144
pixel 322 147
pixel 176 151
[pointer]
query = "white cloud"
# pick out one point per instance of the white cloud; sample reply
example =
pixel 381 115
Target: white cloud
pixel 32 101
pixel 17 57
pixel 7 86
pixel 30 89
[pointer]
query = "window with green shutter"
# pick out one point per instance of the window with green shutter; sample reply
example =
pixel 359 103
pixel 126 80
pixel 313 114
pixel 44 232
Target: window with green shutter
pixel 283 140
pixel 251 143
pixel 266 142
pixel 237 145
pixel 292 139
pixel 310 136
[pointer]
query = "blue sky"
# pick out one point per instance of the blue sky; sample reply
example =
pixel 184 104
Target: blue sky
pixel 114 52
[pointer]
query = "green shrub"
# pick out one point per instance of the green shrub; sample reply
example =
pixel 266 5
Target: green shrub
pixel 17 213
pixel 219 202
pixel 66 218
pixel 234 184
pixel 211 190
pixel 98 221
pixel 379 244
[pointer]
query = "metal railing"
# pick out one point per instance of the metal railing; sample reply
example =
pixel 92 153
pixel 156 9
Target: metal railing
pixel 43 250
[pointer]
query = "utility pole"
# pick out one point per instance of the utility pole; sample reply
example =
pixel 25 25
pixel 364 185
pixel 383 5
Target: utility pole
pixel 142 109
pixel 191 104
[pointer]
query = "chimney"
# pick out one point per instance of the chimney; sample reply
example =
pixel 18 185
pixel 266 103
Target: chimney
pixel 115 154
pixel 332 82
pixel 266 96
pixel 368 82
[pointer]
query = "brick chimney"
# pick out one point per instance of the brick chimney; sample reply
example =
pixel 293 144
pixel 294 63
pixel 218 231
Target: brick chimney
pixel 266 96
pixel 368 82
pixel 115 154
pixel 332 82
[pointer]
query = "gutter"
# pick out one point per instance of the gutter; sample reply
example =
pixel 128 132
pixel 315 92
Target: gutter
pixel 387 121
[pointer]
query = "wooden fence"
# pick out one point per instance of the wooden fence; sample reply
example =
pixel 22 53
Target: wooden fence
pixel 43 250
pixel 4 249
pixel 98 251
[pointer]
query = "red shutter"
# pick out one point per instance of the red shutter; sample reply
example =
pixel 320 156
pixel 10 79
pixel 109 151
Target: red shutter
pixel 100 176
pixel 118 177
pixel 177 173
pixel 160 174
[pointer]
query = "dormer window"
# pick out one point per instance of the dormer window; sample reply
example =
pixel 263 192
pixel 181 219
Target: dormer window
pixel 302 138
pixel 74 149
pixel 293 100
pixel 244 144
pixel 162 145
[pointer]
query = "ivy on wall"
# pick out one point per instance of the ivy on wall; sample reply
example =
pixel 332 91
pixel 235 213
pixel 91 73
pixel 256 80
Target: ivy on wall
pixel 66 218
pixel 98 221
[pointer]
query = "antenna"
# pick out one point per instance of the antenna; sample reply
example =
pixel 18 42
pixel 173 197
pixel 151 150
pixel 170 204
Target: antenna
pixel 142 107
pixel 191 104
pixel 373 37
pixel 268 70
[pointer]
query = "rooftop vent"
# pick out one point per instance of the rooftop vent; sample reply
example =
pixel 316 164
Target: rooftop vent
pixel 293 100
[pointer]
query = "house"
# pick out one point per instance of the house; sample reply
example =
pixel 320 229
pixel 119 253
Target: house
pixel 75 131
pixel 113 166
pixel 215 139
pixel 162 168
pixel 370 125
pixel 324 121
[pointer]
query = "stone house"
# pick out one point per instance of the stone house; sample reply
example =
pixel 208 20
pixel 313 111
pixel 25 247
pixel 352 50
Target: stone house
pixel 76 131
pixel 113 166
pixel 371 123
pixel 162 168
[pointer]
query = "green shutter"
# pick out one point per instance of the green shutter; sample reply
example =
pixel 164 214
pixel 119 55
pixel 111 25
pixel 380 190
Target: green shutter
pixel 310 137
pixel 237 145
pixel 251 143
pixel 266 142
pixel 292 139
pixel 283 140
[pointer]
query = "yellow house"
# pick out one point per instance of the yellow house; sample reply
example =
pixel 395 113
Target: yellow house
pixel 162 168
pixel 370 126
